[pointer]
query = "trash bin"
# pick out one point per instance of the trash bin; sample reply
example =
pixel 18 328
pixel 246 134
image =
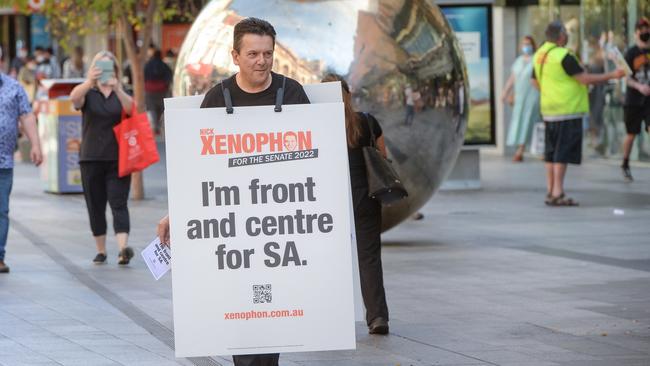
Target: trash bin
pixel 59 128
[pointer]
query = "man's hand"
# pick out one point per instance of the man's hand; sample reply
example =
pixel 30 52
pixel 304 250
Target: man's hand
pixel 644 89
pixel 36 155
pixel 163 230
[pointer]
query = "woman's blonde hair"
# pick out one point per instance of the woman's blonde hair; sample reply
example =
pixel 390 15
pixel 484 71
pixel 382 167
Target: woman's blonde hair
pixel 110 55
pixel 352 126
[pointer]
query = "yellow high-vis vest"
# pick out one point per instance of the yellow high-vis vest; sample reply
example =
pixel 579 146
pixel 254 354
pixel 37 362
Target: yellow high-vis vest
pixel 561 96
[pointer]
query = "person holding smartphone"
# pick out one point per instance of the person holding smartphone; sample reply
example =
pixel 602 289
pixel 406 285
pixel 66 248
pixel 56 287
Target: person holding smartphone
pixel 101 100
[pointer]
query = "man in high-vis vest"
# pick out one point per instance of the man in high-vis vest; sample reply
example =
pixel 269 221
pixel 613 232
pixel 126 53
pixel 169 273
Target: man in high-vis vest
pixel 564 101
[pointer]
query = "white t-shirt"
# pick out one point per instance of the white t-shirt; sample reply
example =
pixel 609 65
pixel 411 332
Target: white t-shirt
pixel 408 93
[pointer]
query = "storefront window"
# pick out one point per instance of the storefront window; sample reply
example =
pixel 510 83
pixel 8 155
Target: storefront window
pixel 595 28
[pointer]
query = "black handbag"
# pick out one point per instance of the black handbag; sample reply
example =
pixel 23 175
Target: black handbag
pixel 384 185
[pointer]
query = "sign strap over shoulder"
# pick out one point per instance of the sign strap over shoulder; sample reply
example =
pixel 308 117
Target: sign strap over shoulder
pixel 227 98
pixel 279 96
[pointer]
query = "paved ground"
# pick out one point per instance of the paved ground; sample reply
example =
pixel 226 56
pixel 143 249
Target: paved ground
pixel 490 277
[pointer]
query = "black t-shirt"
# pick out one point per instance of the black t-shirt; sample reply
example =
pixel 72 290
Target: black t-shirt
pixel 355 155
pixel 293 94
pixel 639 61
pixel 570 65
pixel 99 114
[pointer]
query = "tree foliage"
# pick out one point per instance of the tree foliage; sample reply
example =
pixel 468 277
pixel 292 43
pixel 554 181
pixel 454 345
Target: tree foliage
pixel 69 19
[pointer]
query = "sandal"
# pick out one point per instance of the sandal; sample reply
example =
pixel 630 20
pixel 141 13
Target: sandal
pixel 548 199
pixel 125 256
pixel 562 201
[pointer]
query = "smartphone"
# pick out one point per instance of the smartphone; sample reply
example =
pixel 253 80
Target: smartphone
pixel 108 70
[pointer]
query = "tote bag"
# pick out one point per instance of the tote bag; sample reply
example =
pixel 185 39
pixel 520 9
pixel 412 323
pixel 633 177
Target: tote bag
pixel 384 185
pixel 136 144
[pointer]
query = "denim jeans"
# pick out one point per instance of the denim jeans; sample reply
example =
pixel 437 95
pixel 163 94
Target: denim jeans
pixel 6 181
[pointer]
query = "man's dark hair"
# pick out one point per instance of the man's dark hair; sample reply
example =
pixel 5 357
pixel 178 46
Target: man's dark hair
pixel 554 30
pixel 38 49
pixel 252 26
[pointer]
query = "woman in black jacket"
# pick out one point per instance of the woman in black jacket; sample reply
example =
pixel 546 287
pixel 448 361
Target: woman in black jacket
pixel 367 211
pixel 101 100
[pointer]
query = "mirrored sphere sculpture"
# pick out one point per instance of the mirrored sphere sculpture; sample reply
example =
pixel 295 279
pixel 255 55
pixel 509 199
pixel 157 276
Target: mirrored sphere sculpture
pixel 400 58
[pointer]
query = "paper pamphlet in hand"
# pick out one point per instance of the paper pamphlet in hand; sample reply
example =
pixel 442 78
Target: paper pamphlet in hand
pixel 619 60
pixel 157 257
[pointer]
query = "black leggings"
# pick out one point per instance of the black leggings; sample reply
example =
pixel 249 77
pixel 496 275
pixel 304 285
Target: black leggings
pixel 101 184
pixel 367 221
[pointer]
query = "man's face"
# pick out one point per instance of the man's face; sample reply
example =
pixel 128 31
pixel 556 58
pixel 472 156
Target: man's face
pixel 290 141
pixel 255 58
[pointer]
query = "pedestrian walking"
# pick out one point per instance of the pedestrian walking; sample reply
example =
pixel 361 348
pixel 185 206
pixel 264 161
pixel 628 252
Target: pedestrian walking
pixel 101 100
pixel 27 78
pixel 74 66
pixel 597 95
pixel 157 79
pixel 253 85
pixel 520 93
pixel 367 211
pixel 18 62
pixel 564 101
pixel 410 105
pixel 637 100
pixel 15 109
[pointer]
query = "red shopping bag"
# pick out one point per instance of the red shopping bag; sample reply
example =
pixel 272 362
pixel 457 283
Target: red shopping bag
pixel 135 141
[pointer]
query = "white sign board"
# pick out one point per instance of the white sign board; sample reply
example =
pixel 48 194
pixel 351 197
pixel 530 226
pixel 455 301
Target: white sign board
pixel 261 230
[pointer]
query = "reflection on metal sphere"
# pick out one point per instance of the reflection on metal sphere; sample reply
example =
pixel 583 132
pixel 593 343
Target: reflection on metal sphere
pixel 400 58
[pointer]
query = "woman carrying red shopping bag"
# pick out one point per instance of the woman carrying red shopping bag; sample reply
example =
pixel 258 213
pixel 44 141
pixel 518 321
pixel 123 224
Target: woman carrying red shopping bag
pixel 135 142
pixel 101 100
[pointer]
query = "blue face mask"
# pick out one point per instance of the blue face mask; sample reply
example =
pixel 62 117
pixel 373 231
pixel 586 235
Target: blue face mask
pixel 527 50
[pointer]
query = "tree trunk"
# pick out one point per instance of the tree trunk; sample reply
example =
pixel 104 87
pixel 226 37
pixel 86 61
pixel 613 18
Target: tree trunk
pixel 137 58
pixel 137 72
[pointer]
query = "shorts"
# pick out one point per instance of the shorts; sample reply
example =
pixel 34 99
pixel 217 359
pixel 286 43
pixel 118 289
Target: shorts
pixel 563 141
pixel 633 116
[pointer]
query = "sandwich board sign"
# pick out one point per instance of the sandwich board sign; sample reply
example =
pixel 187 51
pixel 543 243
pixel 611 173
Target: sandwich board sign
pixel 261 226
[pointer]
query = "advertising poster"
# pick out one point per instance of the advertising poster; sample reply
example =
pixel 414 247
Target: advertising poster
pixel 261 228
pixel 473 29
pixel 38 30
pixel 69 146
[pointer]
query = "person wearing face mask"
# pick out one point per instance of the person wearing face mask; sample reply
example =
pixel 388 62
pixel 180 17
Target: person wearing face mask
pixel 18 62
pixel 44 69
pixel 637 99
pixel 564 101
pixel 520 93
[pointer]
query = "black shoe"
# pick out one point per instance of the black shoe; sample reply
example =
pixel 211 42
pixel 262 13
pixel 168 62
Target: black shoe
pixel 125 256
pixel 627 173
pixel 378 326
pixel 100 258
pixel 3 267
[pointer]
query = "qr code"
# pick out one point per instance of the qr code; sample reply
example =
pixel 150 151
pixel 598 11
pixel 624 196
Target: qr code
pixel 262 294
